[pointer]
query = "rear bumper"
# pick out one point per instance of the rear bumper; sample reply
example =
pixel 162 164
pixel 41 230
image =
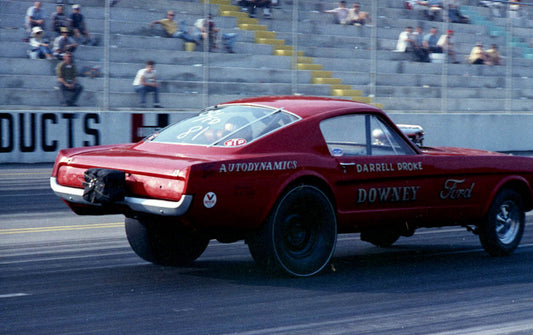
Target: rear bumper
pixel 142 205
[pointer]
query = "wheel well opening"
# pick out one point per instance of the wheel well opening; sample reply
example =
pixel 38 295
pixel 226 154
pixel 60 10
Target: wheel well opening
pixel 317 182
pixel 523 190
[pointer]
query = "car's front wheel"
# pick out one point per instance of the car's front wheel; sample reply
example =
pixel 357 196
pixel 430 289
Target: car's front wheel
pixel 164 243
pixel 300 234
pixel 502 230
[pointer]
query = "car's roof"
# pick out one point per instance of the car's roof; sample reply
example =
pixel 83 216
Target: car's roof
pixel 306 106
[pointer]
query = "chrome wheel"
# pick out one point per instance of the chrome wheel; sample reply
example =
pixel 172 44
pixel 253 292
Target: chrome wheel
pixel 502 230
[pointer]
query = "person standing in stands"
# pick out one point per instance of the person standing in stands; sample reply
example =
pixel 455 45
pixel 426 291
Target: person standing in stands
pixel 69 88
pixel 145 82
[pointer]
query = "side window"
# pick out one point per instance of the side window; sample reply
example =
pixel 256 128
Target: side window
pixel 385 141
pixel 362 135
pixel 345 135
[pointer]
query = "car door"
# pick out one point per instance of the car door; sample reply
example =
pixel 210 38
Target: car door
pixel 379 177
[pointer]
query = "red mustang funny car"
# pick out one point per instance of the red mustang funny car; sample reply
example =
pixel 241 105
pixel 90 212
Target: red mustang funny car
pixel 287 175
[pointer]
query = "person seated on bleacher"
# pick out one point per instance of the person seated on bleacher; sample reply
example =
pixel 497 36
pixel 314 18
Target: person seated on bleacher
pixel 493 56
pixel 454 14
pixel 170 26
pixel 59 19
pixel 430 8
pixel 35 17
pixel 357 17
pixel 64 43
pixel 446 44
pixel 251 5
pixel 205 29
pixel 79 28
pixel 340 14
pixel 477 55
pixel 145 82
pixel 67 82
pixel 430 41
pixel 39 46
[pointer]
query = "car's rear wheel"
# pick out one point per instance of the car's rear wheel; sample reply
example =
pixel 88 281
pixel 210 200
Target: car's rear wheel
pixel 300 234
pixel 163 243
pixel 502 229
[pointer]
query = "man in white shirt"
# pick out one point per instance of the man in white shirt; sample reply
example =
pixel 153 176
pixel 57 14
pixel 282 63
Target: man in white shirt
pixel 145 82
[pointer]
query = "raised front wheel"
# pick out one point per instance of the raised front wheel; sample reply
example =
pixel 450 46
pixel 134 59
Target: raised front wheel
pixel 300 234
pixel 503 227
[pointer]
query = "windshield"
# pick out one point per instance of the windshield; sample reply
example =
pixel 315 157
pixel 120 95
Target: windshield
pixel 226 126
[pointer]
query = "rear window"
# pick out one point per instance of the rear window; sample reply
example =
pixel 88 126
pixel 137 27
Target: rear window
pixel 226 126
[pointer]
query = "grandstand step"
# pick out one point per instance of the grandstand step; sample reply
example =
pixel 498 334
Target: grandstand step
pixel 280 52
pixel 227 8
pixel 329 81
pixel 246 20
pixel 265 34
pixel 366 100
pixel 269 41
pixel 340 87
pixel 349 92
pixel 233 13
pixel 246 26
pixel 309 67
pixel 305 60
pixel 218 2
pixel 321 74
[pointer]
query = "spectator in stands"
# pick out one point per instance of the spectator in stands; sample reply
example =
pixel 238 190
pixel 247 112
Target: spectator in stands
pixel 454 14
pixel 145 81
pixel 493 55
pixel 431 9
pixel 446 44
pixel 477 55
pixel 357 17
pixel 64 43
pixel 430 41
pixel 40 47
pixel 405 40
pixel 340 13
pixel 422 54
pixel 251 5
pixel 67 83
pixel 59 19
pixel 170 26
pixel 79 28
pixel 496 7
pixel 205 29
pixel 514 9
pixel 35 16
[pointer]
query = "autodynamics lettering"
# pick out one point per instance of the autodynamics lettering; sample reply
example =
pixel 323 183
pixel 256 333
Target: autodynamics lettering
pixel 453 190
pixel 387 194
pixel 258 166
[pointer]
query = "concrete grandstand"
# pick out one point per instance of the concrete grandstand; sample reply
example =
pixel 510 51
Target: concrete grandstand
pixel 297 51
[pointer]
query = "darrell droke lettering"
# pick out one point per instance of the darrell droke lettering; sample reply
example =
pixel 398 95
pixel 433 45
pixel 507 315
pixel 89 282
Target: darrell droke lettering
pixel 388 167
pixel 258 166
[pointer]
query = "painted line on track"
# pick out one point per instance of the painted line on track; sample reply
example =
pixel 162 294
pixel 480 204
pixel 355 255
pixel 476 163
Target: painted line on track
pixel 13 295
pixel 60 228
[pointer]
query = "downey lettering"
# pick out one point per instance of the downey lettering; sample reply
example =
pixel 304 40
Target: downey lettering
pixel 387 194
